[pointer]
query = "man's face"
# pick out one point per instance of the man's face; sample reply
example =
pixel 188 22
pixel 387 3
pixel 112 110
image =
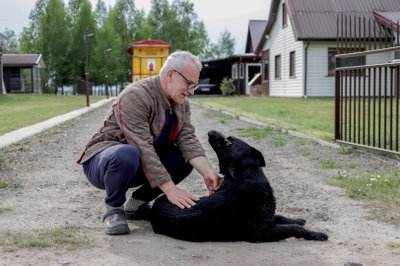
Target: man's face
pixel 181 83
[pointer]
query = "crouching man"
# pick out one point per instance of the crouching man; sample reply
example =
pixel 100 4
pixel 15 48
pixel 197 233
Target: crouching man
pixel 147 141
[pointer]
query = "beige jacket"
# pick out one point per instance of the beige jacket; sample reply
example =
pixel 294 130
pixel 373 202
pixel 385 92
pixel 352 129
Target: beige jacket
pixel 137 117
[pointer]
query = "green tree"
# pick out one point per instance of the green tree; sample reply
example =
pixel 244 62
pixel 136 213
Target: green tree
pixel 83 23
pixel 31 39
pixel 178 24
pixel 56 47
pixel 12 45
pixel 100 13
pixel 224 48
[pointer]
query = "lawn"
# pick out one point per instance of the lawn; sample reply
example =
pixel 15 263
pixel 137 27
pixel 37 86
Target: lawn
pixel 313 116
pixel 20 110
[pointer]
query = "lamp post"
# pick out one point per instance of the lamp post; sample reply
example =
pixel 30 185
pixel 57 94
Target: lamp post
pixel 106 51
pixel 86 43
pixel 1 68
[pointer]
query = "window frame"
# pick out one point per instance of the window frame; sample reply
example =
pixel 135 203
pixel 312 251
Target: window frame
pixel 278 66
pixel 292 64
pixel 284 15
pixel 241 71
pixel 234 70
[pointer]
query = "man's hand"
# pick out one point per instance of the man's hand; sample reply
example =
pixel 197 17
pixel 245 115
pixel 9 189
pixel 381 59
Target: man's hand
pixel 212 181
pixel 177 196
pixel 211 177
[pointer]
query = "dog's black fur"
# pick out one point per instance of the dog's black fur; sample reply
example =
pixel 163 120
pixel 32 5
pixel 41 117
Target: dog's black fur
pixel 243 209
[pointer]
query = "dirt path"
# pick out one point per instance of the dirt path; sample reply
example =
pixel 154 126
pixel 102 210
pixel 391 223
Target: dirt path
pixel 50 191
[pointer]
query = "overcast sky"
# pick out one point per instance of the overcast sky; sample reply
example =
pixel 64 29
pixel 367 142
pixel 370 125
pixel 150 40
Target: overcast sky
pixel 217 15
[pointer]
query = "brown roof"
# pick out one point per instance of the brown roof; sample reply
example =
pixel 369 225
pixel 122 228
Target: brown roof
pixel 254 33
pixel 317 19
pixel 392 19
pixel 23 60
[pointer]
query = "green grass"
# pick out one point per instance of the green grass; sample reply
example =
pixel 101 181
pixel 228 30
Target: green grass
pixel 313 116
pixel 327 164
pixel 59 238
pixel 393 245
pixel 222 118
pixel 4 185
pixel 383 187
pixel 256 133
pixel 278 141
pixel 20 110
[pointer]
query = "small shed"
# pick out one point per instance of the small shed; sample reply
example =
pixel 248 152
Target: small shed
pixel 22 72
pixel 148 56
pixel 241 68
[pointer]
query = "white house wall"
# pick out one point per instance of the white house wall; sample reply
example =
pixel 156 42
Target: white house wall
pixel 319 84
pixel 281 41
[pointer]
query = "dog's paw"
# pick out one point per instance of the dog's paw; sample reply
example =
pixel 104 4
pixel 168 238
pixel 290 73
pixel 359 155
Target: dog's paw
pixel 300 221
pixel 318 236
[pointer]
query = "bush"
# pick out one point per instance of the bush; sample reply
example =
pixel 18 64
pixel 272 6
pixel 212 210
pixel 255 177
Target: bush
pixel 227 87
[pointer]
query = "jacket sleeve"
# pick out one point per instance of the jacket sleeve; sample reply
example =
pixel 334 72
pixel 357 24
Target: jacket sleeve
pixel 187 141
pixel 133 111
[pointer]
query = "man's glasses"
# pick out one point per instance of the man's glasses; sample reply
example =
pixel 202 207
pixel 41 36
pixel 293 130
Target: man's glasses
pixel 190 84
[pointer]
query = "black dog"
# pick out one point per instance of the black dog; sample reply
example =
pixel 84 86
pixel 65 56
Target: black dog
pixel 243 209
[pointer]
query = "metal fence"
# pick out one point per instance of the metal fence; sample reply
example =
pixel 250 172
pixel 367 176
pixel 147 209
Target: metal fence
pixel 367 84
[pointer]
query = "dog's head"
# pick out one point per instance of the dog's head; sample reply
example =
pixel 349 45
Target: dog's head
pixel 233 153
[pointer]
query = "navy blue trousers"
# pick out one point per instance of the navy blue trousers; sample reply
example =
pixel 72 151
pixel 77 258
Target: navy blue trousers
pixel 117 168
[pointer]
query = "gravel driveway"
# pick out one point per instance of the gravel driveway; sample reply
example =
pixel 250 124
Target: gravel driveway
pixel 47 189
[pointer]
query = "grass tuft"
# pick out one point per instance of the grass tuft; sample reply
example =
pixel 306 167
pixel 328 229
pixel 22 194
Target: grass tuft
pixel 383 188
pixel 256 133
pixel 327 164
pixel 58 238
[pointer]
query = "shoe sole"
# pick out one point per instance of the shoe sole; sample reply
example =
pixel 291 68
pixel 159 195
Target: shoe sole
pixel 120 230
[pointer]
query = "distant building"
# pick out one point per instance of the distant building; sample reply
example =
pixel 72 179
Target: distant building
pixel 298 44
pixel 22 72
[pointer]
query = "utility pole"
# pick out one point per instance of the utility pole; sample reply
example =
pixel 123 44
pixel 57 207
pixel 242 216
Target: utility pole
pixel 86 43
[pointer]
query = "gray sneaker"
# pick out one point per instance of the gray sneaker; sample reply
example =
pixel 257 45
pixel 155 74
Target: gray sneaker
pixel 116 223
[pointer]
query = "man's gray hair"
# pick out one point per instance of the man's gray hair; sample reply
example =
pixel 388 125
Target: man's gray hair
pixel 178 60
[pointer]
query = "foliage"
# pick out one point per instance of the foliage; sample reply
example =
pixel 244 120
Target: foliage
pixel 227 87
pixel 12 44
pixel 57 31
pixel 54 27
pixel 224 48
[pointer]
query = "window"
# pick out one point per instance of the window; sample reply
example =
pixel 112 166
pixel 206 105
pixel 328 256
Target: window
pixel 292 64
pixel 234 71
pixel 284 15
pixel 241 70
pixel 344 62
pixel 278 67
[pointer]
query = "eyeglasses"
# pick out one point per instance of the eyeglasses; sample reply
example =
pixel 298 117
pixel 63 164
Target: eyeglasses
pixel 190 84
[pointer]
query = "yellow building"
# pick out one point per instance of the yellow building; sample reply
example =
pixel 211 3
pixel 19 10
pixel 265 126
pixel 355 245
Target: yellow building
pixel 148 56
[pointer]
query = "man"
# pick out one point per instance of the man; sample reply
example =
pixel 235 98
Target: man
pixel 147 140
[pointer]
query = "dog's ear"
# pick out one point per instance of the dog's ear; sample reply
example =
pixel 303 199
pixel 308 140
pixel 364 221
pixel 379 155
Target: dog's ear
pixel 255 154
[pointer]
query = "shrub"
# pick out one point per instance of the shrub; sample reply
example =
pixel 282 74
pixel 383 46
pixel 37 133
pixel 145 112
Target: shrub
pixel 227 87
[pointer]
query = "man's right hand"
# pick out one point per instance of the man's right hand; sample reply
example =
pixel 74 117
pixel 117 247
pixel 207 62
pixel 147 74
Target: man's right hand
pixel 177 196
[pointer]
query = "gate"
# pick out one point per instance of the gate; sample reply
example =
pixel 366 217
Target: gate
pixel 367 83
